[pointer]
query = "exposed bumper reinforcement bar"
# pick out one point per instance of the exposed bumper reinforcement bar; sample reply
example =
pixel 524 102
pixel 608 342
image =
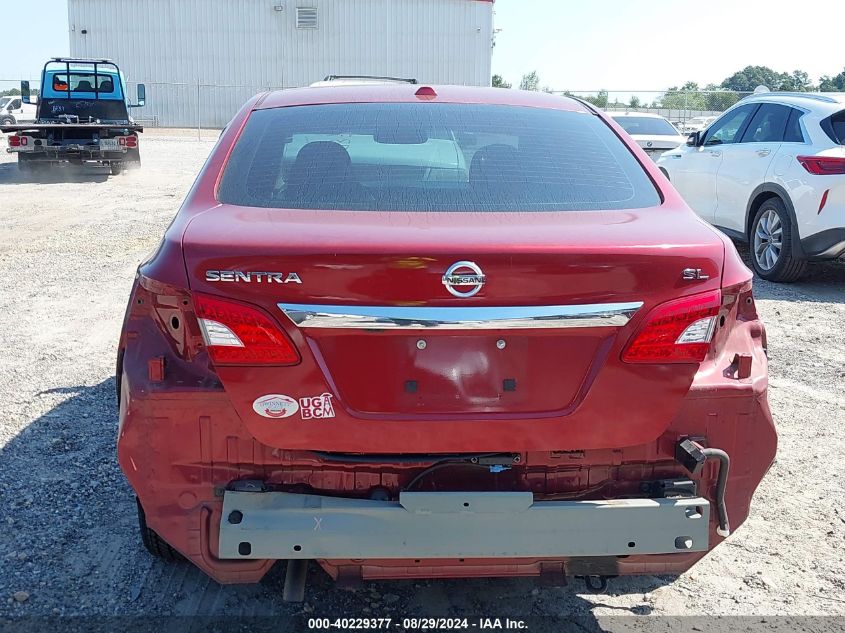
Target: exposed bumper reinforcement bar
pixel 278 525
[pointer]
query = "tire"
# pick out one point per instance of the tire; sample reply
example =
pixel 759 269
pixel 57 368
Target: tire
pixel 7 121
pixel 770 243
pixel 116 168
pixel 155 545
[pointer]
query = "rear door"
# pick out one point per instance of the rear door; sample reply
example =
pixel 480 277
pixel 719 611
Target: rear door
pixel 744 164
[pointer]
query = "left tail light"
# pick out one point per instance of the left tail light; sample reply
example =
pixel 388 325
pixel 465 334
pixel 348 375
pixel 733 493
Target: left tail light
pixel 238 334
pixel 677 331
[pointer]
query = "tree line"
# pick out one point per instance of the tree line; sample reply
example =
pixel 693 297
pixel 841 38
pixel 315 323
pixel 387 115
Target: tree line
pixel 691 96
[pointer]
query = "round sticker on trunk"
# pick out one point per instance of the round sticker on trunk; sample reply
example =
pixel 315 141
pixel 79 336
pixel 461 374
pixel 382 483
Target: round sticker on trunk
pixel 275 405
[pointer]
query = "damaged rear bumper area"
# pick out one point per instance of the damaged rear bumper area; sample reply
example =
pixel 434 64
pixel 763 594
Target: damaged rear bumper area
pixel 279 525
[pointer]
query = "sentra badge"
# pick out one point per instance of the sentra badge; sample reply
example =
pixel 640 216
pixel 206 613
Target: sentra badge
pixel 237 276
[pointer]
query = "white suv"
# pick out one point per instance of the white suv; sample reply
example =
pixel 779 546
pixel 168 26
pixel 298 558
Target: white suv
pixel 771 171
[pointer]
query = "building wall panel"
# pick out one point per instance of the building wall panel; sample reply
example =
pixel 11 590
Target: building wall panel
pixel 201 59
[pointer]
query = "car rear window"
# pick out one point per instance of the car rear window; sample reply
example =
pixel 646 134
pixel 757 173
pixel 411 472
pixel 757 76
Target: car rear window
pixel 432 157
pixel 835 127
pixel 83 82
pixel 647 126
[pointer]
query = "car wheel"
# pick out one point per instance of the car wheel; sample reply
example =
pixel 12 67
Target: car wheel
pixel 7 121
pixel 155 545
pixel 116 168
pixel 771 244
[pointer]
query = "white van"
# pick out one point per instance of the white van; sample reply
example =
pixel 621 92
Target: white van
pixel 13 110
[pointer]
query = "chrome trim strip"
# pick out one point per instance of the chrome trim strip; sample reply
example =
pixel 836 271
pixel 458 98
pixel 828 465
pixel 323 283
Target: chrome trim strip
pixel 469 318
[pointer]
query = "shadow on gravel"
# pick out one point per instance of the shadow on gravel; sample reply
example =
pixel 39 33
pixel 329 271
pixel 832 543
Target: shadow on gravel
pixel 824 282
pixel 71 549
pixel 11 175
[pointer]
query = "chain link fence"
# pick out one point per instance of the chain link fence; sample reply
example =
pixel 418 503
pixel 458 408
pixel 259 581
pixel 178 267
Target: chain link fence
pixel 679 106
pixel 192 105
pixel 209 107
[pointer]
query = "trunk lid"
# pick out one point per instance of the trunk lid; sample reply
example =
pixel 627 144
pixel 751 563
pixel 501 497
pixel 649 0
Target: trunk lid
pixel 453 376
pixel 659 142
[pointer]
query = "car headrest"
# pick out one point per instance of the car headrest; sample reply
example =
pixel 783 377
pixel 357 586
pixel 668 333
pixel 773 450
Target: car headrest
pixel 319 163
pixel 493 163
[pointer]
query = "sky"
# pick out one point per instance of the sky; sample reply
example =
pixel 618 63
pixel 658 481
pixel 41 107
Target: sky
pixel 28 41
pixel 623 45
pixel 640 45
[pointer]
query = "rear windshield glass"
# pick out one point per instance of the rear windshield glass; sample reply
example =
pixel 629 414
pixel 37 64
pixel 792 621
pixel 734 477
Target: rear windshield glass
pixel 432 157
pixel 83 82
pixel 647 126
pixel 837 127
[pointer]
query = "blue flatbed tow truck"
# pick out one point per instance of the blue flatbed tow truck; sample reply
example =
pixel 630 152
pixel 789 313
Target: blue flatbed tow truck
pixel 83 118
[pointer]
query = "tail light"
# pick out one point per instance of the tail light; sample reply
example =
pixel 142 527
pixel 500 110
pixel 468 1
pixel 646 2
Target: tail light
pixel 677 331
pixel 823 165
pixel 128 141
pixel 238 334
pixel 18 141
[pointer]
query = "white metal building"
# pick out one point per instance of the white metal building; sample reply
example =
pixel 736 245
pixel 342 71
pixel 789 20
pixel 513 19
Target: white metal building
pixel 201 59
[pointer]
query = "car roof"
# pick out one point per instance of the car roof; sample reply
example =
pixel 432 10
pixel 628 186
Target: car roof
pixel 833 101
pixel 407 93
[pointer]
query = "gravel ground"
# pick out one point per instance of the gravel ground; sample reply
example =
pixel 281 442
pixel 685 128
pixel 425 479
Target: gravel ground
pixel 68 250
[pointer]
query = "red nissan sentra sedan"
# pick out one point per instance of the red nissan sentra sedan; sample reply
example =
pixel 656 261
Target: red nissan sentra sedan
pixel 440 332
